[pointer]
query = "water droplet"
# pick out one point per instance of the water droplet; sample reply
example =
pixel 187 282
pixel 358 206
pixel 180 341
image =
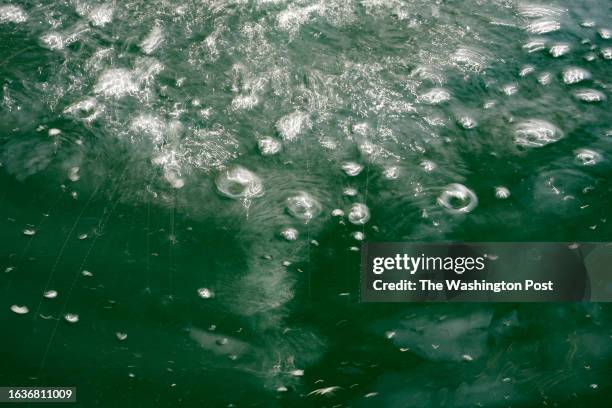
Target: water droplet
pixel 20 309
pixel 29 231
pixel 303 206
pixel 536 133
pixel 54 132
pixel 205 293
pixel 358 235
pixel 337 213
pixel 121 336
pixel 359 214
pixel 458 199
pixel 83 236
pixel 87 273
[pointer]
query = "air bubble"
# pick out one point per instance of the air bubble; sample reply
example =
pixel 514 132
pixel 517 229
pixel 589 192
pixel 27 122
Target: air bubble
pixel 303 206
pixel 588 157
pixel 71 317
pixel 50 294
pixel 239 183
pixel 290 234
pixel 589 95
pixel 352 169
pixel 21 310
pixel 268 146
pixel 436 96
pixel 502 192
pixel 458 199
pixel 205 293
pixel 574 75
pixel 359 214
pixel 536 133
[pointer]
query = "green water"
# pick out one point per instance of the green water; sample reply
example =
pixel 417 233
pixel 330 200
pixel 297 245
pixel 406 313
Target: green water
pixel 202 161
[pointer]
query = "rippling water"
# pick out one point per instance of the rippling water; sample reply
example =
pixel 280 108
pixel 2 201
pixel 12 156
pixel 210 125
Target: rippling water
pixel 185 187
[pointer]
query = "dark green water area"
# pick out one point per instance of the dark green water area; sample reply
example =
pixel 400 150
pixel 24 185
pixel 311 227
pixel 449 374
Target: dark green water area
pixel 185 187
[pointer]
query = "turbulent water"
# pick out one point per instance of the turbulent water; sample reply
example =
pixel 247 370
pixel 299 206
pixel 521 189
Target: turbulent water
pixel 185 187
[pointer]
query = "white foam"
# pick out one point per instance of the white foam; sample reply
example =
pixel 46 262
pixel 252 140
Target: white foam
pixel 435 96
pixel 87 109
pixel 294 17
pixel 153 40
pixel 291 126
pixel 268 146
pixel 53 40
pixel 543 26
pixel 245 102
pixel 101 15
pixel 116 83
pixel 12 14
